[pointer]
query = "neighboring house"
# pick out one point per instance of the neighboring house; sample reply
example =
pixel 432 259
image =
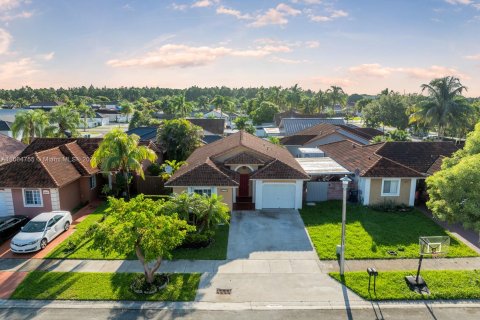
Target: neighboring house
pixel 293 114
pixel 113 115
pixel 111 105
pixel 389 171
pixel 9 149
pixel 50 174
pixel 247 171
pixel 96 121
pixel 218 114
pixel 46 105
pixel 150 134
pixel 290 126
pixel 324 133
pixel 212 125
pixel 6 128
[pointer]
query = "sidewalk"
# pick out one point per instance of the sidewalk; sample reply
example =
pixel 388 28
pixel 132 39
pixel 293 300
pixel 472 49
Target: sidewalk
pixel 238 266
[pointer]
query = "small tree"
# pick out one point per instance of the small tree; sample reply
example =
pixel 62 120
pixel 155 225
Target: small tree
pixel 169 167
pixel 139 226
pixel 179 138
pixel 126 109
pixel 265 112
pixel 243 123
pixel 120 152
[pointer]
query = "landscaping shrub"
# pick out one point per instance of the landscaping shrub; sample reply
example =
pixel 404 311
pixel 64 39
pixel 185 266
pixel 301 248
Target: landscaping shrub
pixel 390 206
pixel 198 240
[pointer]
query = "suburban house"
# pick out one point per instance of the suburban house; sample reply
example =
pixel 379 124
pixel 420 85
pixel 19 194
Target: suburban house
pixel 113 115
pixel 219 114
pixel 293 114
pixel 290 126
pixel 247 171
pixel 45 105
pixel 51 174
pixel 9 149
pixel 323 133
pixel 6 128
pixel 389 172
pixel 95 121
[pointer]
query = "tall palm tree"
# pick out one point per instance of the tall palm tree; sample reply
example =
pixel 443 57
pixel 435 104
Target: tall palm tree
pixel 294 97
pixel 321 100
pixel 67 118
pixel 127 109
pixel 30 124
pixel 445 106
pixel 120 152
pixel 308 105
pixel 181 105
pixel 86 112
pixel 221 103
pixel 336 95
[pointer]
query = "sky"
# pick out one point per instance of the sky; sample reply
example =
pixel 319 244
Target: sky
pixel 363 46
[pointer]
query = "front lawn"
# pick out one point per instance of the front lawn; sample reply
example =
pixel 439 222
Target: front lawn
pixel 443 284
pixel 370 234
pixel 42 285
pixel 82 250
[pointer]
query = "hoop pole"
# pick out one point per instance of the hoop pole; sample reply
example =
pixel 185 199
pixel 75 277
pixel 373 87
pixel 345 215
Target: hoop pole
pixel 419 267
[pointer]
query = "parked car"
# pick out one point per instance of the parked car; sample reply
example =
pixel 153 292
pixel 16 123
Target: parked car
pixel 39 231
pixel 10 225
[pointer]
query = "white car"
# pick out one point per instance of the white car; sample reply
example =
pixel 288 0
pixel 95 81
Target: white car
pixel 39 231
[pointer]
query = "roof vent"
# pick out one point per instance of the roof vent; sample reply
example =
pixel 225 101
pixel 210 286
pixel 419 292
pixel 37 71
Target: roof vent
pixel 353 145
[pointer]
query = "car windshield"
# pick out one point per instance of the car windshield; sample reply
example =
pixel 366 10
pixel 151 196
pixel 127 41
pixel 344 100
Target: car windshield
pixel 34 226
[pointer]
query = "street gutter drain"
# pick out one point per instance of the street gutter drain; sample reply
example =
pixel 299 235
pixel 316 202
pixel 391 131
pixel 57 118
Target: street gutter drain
pixel 224 291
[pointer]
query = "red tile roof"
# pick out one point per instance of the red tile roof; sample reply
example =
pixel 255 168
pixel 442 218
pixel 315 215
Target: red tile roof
pixel 244 158
pixel 207 154
pixel 9 148
pixel 389 159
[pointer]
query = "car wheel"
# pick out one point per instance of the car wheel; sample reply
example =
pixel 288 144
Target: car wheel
pixel 43 244
pixel 66 226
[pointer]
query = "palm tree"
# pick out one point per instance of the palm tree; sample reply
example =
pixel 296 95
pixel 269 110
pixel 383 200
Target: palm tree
pixel 336 95
pixel 211 213
pixel 86 112
pixel 181 106
pixel 121 153
pixel 221 103
pixel 294 97
pixel 31 124
pixel 445 106
pixel 321 100
pixel 67 118
pixel 308 105
pixel 127 109
pixel 169 167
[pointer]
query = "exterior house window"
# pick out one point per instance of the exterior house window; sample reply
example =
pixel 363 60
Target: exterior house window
pixel 32 198
pixel 93 181
pixel 390 187
pixel 202 191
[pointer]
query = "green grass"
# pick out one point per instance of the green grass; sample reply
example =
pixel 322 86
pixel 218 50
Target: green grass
pixel 216 251
pixel 443 284
pixel 370 234
pixel 43 285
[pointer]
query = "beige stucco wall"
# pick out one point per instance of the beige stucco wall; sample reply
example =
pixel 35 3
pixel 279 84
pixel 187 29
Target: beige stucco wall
pixel 227 195
pixel 70 196
pixel 376 191
pixel 179 189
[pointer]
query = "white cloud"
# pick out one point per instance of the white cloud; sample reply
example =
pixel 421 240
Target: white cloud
pixel 333 14
pixel 203 3
pixel 236 13
pixel 312 44
pixel 375 70
pixel 5 40
pixel 287 61
pixel 13 16
pixel 473 57
pixel 9 4
pixel 179 7
pixel 48 56
pixel 275 16
pixel 17 69
pixel 307 1
pixel 455 2
pixel 183 56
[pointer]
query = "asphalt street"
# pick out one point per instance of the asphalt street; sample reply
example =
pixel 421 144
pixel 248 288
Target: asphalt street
pixel 375 312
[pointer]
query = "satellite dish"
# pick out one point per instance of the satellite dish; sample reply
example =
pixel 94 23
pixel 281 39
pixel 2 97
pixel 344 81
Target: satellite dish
pixel 168 169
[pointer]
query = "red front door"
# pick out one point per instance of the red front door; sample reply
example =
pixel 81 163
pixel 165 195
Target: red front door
pixel 243 189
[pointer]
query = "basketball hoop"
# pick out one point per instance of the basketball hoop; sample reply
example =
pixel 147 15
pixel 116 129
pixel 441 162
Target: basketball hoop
pixel 434 247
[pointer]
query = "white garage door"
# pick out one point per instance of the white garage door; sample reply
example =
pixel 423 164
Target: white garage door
pixel 280 195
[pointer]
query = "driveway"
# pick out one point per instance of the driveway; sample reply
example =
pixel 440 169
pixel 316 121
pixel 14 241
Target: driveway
pixel 268 234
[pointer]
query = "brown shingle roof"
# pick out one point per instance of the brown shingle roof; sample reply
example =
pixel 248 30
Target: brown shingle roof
pixel 215 126
pixel 436 166
pixel 88 145
pixel 208 153
pixel 389 159
pixel 78 157
pixel 45 169
pixel 244 158
pixel 366 133
pixel 9 148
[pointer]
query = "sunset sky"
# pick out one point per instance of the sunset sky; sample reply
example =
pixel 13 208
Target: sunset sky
pixel 363 46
